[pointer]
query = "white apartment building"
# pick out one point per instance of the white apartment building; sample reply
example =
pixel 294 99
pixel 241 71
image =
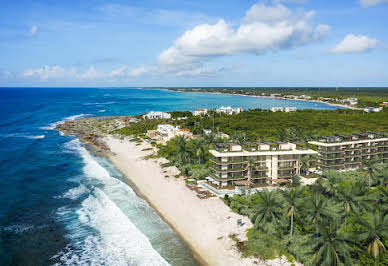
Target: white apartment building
pixel 343 152
pixel 275 161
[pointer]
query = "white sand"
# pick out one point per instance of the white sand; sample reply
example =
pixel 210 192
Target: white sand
pixel 205 225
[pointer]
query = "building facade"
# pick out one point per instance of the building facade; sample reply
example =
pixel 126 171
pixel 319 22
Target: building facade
pixel 157 115
pixel 200 111
pixel 165 132
pixel 229 110
pixel 273 161
pixel 344 152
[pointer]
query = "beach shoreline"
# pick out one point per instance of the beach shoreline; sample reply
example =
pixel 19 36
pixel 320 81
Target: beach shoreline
pixel 271 97
pixel 204 225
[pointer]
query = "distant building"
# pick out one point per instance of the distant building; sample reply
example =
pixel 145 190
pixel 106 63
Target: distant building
pixel 289 109
pixel 132 120
pixel 372 109
pixel 157 115
pixel 222 135
pixel 166 132
pixel 350 101
pixel 343 152
pixel 207 131
pixel 200 111
pixel 229 110
pixel 277 109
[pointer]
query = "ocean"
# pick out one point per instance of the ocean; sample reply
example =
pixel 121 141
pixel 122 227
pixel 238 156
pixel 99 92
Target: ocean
pixel 60 205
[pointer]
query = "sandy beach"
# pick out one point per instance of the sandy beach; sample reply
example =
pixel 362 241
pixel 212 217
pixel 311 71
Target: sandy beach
pixel 205 225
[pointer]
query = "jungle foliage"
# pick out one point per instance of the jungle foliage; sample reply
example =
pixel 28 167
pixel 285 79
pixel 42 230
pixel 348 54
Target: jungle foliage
pixel 339 220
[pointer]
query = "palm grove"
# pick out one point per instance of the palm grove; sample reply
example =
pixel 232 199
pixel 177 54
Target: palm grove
pixel 340 219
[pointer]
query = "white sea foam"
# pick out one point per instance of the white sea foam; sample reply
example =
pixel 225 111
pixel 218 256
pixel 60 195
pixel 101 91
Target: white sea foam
pixel 22 135
pixel 76 192
pixel 74 117
pixel 101 111
pixel 117 241
pixel 97 103
pixel 53 125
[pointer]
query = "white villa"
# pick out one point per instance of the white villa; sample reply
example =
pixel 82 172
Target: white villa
pixel 165 132
pixel 350 101
pixel 200 111
pixel 157 115
pixel 229 110
pixel 372 109
pixel 274 161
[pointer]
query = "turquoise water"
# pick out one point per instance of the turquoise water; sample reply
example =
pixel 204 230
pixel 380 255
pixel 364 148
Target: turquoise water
pixel 61 205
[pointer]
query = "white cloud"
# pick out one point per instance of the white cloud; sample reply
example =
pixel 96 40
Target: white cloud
pixel 49 72
pixel 138 71
pixel 354 44
pixel 33 30
pixel 369 3
pixel 263 29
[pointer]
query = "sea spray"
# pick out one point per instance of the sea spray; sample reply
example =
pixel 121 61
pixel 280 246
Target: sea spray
pixel 112 225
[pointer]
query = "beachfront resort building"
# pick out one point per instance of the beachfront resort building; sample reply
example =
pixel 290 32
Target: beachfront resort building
pixel 229 110
pixel 276 162
pixel 373 109
pixel 200 111
pixel 344 152
pixel 165 132
pixel 283 109
pixel 157 115
pixel 349 101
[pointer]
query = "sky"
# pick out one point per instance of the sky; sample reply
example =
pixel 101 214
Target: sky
pixel 152 43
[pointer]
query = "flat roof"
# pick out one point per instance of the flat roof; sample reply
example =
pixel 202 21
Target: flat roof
pixel 320 143
pixel 259 153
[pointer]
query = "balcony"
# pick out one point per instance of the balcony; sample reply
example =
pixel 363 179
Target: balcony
pixel 229 170
pixel 229 161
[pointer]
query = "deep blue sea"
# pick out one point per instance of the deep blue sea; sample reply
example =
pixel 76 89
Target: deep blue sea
pixel 61 205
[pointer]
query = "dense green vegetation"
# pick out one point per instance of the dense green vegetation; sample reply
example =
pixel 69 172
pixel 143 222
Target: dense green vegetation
pixel 191 157
pixel 366 96
pixel 339 220
pixel 299 125
pixel 266 125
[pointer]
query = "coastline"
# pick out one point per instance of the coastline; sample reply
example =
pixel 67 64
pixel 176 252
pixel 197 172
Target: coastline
pixel 271 97
pixel 204 225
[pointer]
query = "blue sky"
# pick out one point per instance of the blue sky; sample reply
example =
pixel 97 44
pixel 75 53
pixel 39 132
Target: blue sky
pixel 194 43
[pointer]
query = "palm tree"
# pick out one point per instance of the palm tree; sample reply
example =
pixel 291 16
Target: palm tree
pixel 331 181
pixel 268 210
pixel 372 231
pixel 382 177
pixel 317 209
pixel 183 152
pixel 198 147
pixel 210 139
pixel 352 202
pixel 331 247
pixel 370 166
pixel 292 200
pixel 240 137
pixel 305 163
pixel 379 200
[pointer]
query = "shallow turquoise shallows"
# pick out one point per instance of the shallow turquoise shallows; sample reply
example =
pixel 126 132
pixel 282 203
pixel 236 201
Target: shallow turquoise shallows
pixel 61 205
